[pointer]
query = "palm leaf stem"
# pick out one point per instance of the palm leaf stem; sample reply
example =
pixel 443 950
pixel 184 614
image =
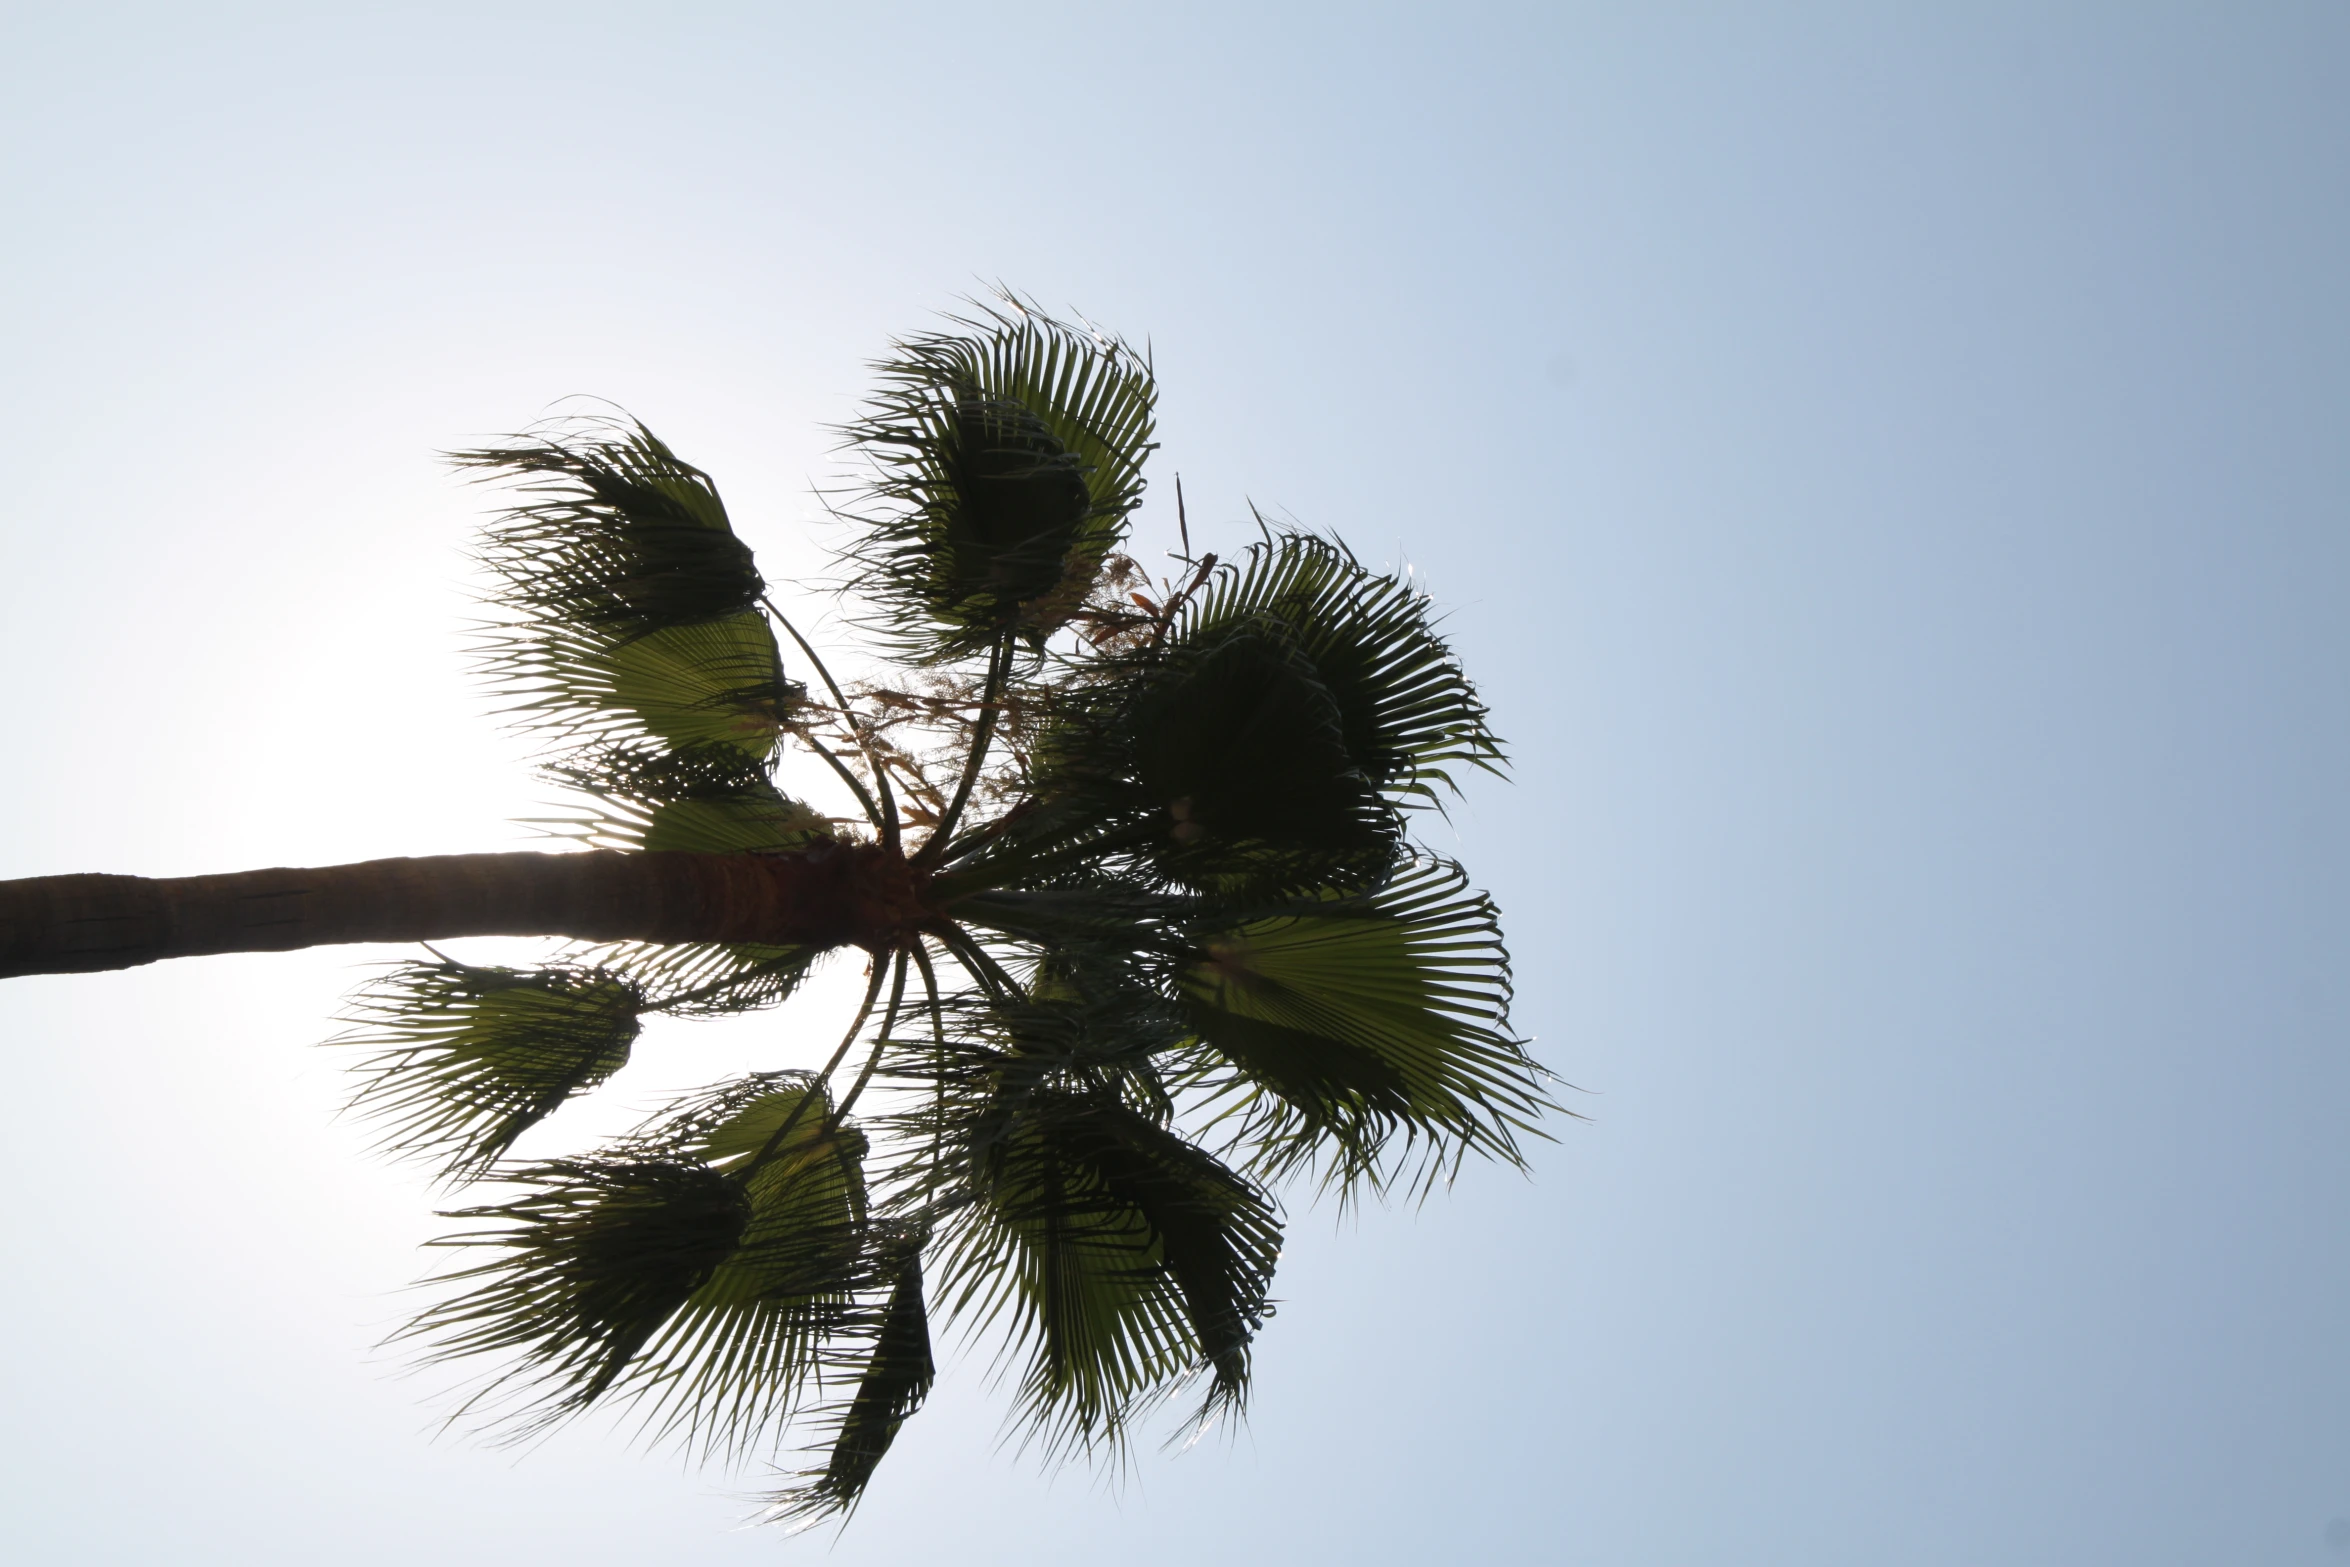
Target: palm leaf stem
pixel 985 971
pixel 938 1037
pixel 767 1150
pixel 888 822
pixel 856 784
pixel 999 671
pixel 889 1020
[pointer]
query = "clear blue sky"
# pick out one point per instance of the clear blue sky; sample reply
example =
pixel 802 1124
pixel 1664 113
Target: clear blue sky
pixel 1887 464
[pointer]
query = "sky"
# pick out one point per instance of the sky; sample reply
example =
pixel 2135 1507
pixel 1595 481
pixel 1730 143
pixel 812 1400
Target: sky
pixel 1884 466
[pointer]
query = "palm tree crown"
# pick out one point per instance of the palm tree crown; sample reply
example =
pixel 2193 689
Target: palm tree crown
pixel 1148 933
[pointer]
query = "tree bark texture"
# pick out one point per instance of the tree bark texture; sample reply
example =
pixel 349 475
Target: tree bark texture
pixel 832 896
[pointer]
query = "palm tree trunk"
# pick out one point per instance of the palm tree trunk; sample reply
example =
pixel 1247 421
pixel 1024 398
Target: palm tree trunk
pixel 831 896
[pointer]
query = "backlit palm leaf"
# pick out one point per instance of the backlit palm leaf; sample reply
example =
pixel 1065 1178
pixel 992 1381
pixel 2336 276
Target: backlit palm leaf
pixel 727 1369
pixel 714 682
pixel 712 798
pixel 690 1272
pixel 617 532
pixel 465 1059
pixel 1407 711
pixel 1124 1257
pixel 892 1377
pixel 1265 743
pixel 1363 1032
pixel 630 606
pixel 1007 457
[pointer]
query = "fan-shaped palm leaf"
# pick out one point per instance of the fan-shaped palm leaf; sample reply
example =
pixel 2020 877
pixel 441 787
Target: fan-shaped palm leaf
pixel 711 798
pixel 1006 457
pixel 1361 1031
pixel 1407 711
pixel 465 1059
pixel 692 1272
pixel 630 606
pixel 619 533
pixel 1126 1257
pixel 593 1260
pixel 727 1368
pixel 1264 742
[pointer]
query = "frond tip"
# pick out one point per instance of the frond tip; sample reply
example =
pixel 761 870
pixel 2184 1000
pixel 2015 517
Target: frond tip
pixel 627 607
pixel 893 1379
pixel 468 1059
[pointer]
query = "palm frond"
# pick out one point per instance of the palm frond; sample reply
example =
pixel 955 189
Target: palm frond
pixel 1124 1258
pixel 1220 763
pixel 1368 1036
pixel 704 979
pixel 727 1370
pixel 627 605
pixel 712 798
pixel 679 1273
pixel 714 682
pixel 465 1060
pixel 893 1377
pixel 617 532
pixel 1006 457
pixel 589 1263
pixel 1406 709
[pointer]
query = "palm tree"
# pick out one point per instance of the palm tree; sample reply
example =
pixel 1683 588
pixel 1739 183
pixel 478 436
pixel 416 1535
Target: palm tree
pixel 1146 934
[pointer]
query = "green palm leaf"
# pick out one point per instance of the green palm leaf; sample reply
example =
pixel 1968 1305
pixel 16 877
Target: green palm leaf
pixel 726 1371
pixel 1265 743
pixel 1006 459
pixel 467 1059
pixel 1218 764
pixel 618 532
pixel 714 682
pixel 589 1263
pixel 1125 1258
pixel 630 607
pixel 893 1377
pixel 713 798
pixel 1358 1033
pixel 1407 711
pixel 692 1272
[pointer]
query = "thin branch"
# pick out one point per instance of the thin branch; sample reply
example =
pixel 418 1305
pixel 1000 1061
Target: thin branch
pixel 889 805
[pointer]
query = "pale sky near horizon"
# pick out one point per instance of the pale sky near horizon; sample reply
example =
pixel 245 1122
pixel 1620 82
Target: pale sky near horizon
pixel 1886 467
